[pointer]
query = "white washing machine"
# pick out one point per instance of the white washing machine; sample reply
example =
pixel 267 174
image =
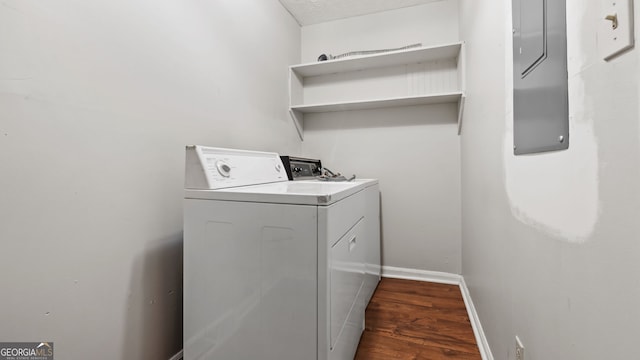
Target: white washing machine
pixel 274 269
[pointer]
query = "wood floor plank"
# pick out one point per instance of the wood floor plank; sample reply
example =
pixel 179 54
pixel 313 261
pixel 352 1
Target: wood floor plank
pixel 441 296
pixel 417 287
pixel 417 320
pixel 383 309
pixel 380 346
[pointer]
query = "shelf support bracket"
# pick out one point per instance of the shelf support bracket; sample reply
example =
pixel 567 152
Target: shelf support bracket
pixel 298 120
pixel 460 112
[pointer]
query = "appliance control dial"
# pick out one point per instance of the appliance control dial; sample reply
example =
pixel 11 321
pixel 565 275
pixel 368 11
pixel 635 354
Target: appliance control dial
pixel 223 168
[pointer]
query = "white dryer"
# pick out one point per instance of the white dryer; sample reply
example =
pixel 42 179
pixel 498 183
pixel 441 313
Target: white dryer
pixel 274 269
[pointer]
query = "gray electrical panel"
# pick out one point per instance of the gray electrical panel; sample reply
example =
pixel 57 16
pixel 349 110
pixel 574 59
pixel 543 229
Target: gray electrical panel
pixel 540 90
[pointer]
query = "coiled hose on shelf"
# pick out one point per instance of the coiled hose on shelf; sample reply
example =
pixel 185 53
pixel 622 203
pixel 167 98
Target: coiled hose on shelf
pixel 325 57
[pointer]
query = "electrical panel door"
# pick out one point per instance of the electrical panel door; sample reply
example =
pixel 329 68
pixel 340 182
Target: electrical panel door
pixel 540 96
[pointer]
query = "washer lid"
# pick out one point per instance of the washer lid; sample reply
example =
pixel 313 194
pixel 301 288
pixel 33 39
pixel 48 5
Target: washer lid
pixel 302 192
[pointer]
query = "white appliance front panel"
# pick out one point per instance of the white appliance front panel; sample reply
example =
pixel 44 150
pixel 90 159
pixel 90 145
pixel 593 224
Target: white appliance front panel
pixel 341 304
pixel 250 274
pixel 373 258
pixel 346 264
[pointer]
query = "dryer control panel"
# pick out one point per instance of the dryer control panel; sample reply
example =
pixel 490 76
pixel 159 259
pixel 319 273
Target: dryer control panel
pixel 301 168
pixel 218 168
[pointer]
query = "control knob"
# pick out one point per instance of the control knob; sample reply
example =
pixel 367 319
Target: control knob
pixel 223 168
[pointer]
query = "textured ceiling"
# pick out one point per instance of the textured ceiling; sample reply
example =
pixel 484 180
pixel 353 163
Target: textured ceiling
pixel 308 12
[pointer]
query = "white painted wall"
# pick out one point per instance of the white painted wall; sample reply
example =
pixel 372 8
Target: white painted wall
pixel 97 101
pixel 550 246
pixel 414 151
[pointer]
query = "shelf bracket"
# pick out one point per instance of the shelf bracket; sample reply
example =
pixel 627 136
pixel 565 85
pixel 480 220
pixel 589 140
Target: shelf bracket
pixel 460 112
pixel 298 120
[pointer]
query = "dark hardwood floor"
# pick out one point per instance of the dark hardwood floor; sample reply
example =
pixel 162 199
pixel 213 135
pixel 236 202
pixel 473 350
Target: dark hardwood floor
pixel 418 321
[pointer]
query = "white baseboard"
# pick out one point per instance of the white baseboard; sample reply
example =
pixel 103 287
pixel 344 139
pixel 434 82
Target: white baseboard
pixel 421 275
pixel 481 339
pixel 451 279
pixel 177 356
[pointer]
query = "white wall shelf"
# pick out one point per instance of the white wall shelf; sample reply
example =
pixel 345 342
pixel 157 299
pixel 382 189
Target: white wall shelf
pixel 422 76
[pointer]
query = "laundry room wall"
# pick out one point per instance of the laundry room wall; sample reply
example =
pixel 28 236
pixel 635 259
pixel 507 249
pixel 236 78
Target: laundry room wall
pixel 550 248
pixel 97 102
pixel 413 151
